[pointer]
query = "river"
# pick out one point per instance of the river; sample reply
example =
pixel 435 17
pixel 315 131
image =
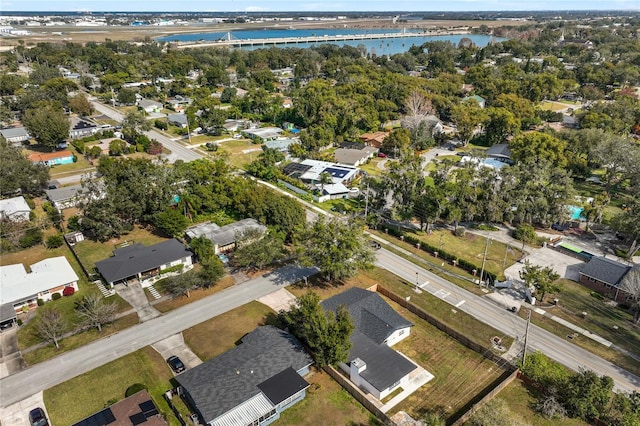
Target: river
pixel 373 46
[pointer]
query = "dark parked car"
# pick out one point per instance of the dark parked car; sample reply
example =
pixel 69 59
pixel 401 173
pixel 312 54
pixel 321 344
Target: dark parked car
pixel 175 363
pixel 560 226
pixel 374 245
pixel 37 417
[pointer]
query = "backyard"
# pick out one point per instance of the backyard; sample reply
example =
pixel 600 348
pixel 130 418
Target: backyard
pixel 241 152
pixel 84 395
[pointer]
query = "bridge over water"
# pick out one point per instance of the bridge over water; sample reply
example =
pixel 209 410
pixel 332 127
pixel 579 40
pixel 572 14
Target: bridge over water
pixel 229 41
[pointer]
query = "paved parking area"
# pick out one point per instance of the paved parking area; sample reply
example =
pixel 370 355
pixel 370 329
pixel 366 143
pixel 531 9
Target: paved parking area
pixel 279 300
pixel 18 413
pixel 174 345
pixel 10 357
pixel 567 266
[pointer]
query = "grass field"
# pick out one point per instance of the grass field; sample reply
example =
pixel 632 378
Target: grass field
pixel 371 166
pixel 460 373
pixel 239 155
pixel 198 294
pixel 471 248
pixel 522 399
pixel 558 106
pixel 80 397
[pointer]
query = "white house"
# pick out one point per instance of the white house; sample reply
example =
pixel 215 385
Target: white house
pixel 372 364
pixel 224 237
pixel 21 290
pixel 15 135
pixel 15 209
pixel 149 106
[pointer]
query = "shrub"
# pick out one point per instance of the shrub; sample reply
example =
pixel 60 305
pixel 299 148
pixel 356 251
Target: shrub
pixel 56 296
pixel 31 238
pixel 459 232
pixel 596 295
pixel 484 227
pixel 19 322
pixel 40 302
pixel 68 291
pixel 525 233
pixel 159 124
pixel 54 241
pixel 134 388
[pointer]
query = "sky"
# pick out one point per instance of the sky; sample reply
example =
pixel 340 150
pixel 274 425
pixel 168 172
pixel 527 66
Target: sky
pixel 309 5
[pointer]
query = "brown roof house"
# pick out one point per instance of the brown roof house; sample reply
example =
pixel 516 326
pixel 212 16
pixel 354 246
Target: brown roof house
pixel 373 139
pixel 138 409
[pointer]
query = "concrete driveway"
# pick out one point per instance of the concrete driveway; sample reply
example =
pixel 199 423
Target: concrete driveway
pixel 10 357
pixel 567 266
pixel 18 413
pixel 174 345
pixel 134 295
pixel 279 300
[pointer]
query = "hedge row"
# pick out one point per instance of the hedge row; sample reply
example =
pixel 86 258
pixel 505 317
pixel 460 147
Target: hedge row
pixel 442 254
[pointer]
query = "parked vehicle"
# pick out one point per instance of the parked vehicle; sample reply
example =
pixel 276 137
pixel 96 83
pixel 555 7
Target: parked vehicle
pixel 38 418
pixel 176 364
pixel 375 245
pixel 382 155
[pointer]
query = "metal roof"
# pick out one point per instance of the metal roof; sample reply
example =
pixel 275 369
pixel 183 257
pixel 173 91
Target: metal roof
pixel 245 413
pixel 225 235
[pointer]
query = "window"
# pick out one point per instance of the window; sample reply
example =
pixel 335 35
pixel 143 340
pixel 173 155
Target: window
pixel 401 332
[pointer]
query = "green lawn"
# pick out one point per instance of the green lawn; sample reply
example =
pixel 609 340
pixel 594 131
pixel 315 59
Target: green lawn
pixel 239 155
pixel 371 166
pixel 471 248
pixel 522 399
pixel 460 374
pixel 82 396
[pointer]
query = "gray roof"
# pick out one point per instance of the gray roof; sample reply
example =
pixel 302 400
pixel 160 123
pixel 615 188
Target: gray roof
pixel 351 156
pixel 280 144
pixel 224 382
pixel 500 150
pixel 136 258
pixel 148 103
pixel 64 193
pixel 14 132
pixel 177 118
pixel 384 365
pixel 227 234
pixel 7 312
pixel 605 270
pixel 371 315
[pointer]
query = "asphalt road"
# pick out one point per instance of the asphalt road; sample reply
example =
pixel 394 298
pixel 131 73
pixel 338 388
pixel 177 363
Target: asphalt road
pixel 510 324
pixel 44 375
pixel 178 151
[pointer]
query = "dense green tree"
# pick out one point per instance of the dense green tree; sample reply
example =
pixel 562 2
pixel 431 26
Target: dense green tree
pixel 543 279
pixel 467 117
pixel 338 249
pixel 500 125
pixel 202 247
pixel 260 252
pixel 48 124
pixel 171 221
pixel 396 142
pixel 327 334
pixel 619 156
pixel 126 97
pixel 586 395
pixel 534 147
pixel 18 174
pixel 182 284
pixel 81 105
pixel 211 272
pixel 117 147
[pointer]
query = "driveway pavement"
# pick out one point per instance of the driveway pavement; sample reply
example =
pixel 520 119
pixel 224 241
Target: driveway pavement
pixel 174 345
pixel 567 266
pixel 279 300
pixel 18 414
pixel 10 357
pixel 134 295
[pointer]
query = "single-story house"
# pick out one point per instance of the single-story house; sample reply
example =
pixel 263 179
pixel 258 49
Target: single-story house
pixel 287 103
pixel 179 103
pixel 250 384
pixel 224 238
pixel 604 276
pixel 479 99
pixel 179 120
pixel 263 134
pixel 65 197
pixel 52 158
pixel 145 263
pixel 281 144
pixel 309 171
pixel 336 191
pixel 374 139
pixel 81 128
pixel 149 106
pixel 234 125
pixel 372 365
pixel 138 409
pixel 15 135
pixel 354 157
pixel 15 209
pixel 569 121
pixel 500 152
pixel 21 290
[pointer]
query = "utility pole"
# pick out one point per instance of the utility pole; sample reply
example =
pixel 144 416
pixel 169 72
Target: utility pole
pixel 526 337
pixel 417 286
pixel 440 247
pixel 366 203
pixel 484 259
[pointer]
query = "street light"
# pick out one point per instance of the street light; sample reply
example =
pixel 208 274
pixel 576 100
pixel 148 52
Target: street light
pixel 484 259
pixel 417 280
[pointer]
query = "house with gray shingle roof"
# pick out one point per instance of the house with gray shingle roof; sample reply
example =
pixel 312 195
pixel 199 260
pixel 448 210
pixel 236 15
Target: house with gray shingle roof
pixel 145 263
pixel 224 238
pixel 250 384
pixel 15 135
pixel 604 276
pixel 373 365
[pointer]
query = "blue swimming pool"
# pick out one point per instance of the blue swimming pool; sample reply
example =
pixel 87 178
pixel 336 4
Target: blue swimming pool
pixel 576 212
